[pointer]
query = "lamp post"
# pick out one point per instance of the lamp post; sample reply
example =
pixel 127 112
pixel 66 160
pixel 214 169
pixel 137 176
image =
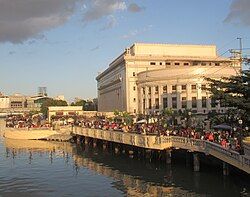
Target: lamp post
pixel 189 118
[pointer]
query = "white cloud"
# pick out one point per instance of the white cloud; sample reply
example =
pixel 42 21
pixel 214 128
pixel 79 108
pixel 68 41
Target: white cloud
pixel 100 8
pixel 24 19
pixel 239 12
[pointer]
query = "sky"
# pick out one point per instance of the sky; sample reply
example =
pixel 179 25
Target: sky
pixel 64 44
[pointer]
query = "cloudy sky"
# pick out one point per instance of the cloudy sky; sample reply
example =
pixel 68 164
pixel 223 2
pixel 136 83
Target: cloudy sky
pixel 64 44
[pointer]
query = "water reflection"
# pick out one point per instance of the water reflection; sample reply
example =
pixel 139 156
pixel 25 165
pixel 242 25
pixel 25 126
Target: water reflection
pixel 132 177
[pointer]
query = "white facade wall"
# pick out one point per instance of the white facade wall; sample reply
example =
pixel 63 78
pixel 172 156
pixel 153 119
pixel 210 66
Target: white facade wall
pixel 4 102
pixel 147 65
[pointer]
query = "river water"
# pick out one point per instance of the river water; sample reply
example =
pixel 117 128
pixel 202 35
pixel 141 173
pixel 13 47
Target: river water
pixel 39 168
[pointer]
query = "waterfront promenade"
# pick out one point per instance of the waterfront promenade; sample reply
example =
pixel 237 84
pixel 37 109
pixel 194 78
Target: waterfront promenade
pixel 166 143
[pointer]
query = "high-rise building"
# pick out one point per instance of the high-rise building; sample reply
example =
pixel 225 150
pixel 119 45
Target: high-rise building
pixel 150 77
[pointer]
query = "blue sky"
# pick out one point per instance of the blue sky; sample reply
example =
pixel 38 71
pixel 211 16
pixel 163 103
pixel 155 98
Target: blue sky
pixel 63 44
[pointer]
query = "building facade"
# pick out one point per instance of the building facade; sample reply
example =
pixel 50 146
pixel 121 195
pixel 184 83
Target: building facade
pixel 150 77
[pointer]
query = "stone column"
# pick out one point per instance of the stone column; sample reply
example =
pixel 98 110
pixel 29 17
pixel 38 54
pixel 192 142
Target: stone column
pixel 199 97
pixel 196 162
pixel 140 99
pixel 169 90
pixel 160 88
pixel 153 98
pixel 178 96
pixel 189 96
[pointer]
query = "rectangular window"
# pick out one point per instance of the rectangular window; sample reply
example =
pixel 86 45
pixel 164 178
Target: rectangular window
pixel 174 88
pixel 143 90
pixel 156 103
pixel 204 102
pixel 195 63
pixel 134 110
pixel 174 102
pixel 184 102
pixel 160 63
pixel 165 103
pixel 152 63
pixel 165 89
pixel 176 63
pixel 133 74
pixel 217 64
pixel 194 102
pixel 184 87
pixel 203 64
pixel 144 104
pixel 193 87
pixel 149 90
pixel 156 89
pixel 203 87
pixel 186 64
pixel 168 63
pixel 134 88
pixel 134 99
pixel 149 104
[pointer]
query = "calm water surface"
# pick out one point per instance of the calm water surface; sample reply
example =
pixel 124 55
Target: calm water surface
pixel 39 168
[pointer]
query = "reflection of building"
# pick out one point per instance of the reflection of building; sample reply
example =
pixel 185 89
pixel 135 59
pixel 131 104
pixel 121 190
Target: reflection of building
pixel 60 111
pixel 150 77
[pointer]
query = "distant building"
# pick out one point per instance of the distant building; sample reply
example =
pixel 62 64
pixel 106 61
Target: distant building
pixel 4 102
pixel 147 78
pixel 60 111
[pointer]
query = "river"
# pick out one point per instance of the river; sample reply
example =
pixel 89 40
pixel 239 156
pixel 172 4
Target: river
pixel 40 168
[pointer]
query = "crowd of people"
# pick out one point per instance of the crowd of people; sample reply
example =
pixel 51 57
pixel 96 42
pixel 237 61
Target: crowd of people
pixel 26 121
pixel 227 139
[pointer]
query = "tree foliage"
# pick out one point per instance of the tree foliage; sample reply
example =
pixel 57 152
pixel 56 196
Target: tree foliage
pixel 233 92
pixel 51 102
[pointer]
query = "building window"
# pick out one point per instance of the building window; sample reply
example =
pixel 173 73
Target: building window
pixel 152 63
pixel 194 102
pixel 186 64
pixel 184 102
pixel 174 102
pixel 193 87
pixel 204 102
pixel 133 74
pixel 156 103
pixel 217 64
pixel 156 89
pixel 143 90
pixel 160 63
pixel 168 63
pixel 149 104
pixel 144 104
pixel 184 87
pixel 134 110
pixel 134 88
pixel 176 63
pixel 203 64
pixel 149 90
pixel 195 63
pixel 165 103
pixel 134 99
pixel 165 89
pixel 174 88
pixel 203 87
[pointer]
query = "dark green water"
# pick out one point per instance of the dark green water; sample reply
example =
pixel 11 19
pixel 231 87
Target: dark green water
pixel 35 168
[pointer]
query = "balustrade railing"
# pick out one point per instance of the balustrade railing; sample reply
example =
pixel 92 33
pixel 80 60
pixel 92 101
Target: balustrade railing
pixel 164 142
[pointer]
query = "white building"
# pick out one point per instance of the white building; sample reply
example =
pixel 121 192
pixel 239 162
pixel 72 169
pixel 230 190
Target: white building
pixel 150 77
pixel 4 102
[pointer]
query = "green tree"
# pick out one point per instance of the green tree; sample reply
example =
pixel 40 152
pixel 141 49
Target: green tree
pixel 51 102
pixel 233 92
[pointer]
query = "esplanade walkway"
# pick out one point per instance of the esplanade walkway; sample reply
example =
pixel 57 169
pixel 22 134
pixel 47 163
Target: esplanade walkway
pixel 154 142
